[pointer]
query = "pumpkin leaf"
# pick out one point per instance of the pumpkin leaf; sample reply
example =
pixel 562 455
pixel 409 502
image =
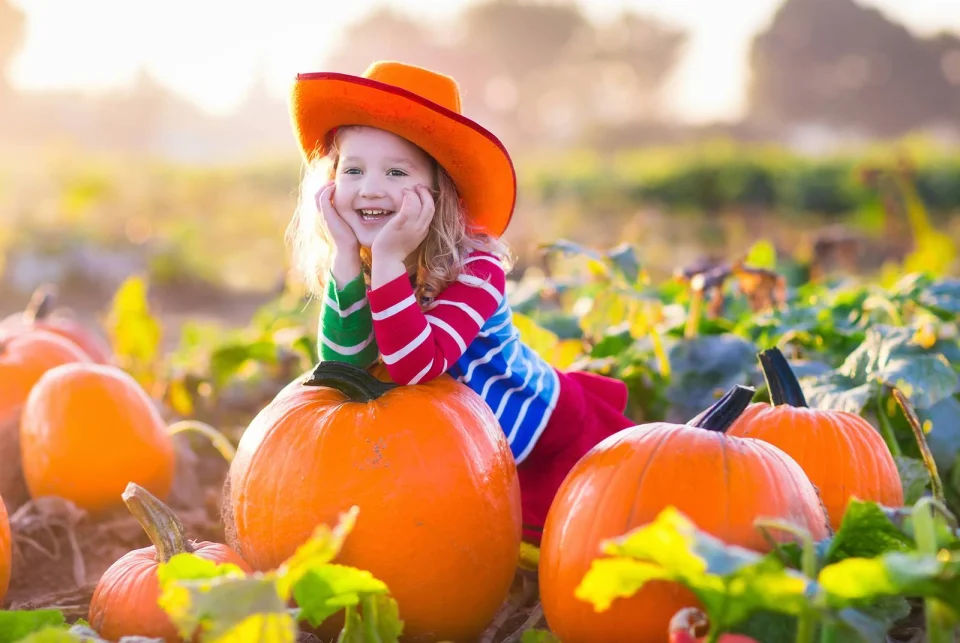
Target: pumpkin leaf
pixel 539 636
pixel 866 531
pixel 943 436
pixel 834 390
pixel 731 582
pixel 16 624
pixel 321 548
pixel 263 628
pixel 870 624
pixel 135 333
pixel 859 580
pixel 941 297
pixel 623 258
pixel 914 478
pixel 183 567
pixel 702 367
pixel 326 590
pixel 225 604
pixel 925 379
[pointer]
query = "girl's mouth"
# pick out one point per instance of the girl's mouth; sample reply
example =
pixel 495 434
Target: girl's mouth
pixel 374 215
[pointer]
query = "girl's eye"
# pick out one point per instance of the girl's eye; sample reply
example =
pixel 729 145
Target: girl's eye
pixel 351 170
pixel 398 173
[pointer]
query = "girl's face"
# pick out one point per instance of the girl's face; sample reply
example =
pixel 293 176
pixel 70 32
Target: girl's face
pixel 373 168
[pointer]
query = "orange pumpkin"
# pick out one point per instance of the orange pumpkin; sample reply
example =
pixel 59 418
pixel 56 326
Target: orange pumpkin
pixel 841 453
pixel 124 602
pixel 81 418
pixel 5 551
pixel 42 313
pixel 722 483
pixel 24 357
pixel 427 465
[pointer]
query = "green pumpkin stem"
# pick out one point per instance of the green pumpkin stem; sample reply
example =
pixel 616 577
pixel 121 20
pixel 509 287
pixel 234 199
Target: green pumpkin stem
pixel 356 383
pixel 163 527
pixel 726 410
pixel 781 382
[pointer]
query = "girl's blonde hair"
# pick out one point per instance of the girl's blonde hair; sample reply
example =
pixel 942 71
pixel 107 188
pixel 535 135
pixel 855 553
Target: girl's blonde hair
pixel 439 259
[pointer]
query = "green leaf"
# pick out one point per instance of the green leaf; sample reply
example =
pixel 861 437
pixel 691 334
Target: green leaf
pixel 705 366
pixel 924 379
pixel 539 636
pixel 942 297
pixel 14 625
pixel 617 340
pixel 327 589
pixel 857 580
pixel 762 254
pixel 834 390
pixel 224 604
pixel 732 582
pixel 185 566
pixel 914 478
pixel 321 548
pixel 866 531
pixel 943 437
pixel 135 333
pixel 871 623
pixel 624 260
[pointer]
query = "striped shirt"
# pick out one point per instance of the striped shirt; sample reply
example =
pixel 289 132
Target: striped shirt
pixel 468 332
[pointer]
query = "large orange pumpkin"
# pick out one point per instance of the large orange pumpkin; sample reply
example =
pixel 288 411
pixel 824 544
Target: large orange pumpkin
pixel 841 453
pixel 89 429
pixel 43 313
pixel 124 602
pixel 427 465
pixel 24 357
pixel 5 551
pixel 722 483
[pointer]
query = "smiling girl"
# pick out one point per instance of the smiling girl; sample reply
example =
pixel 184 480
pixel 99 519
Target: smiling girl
pixel 398 230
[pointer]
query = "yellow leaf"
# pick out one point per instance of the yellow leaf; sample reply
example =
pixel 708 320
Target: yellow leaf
pixel 262 628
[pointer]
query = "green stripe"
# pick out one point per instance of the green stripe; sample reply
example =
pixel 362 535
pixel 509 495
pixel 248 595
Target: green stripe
pixel 350 330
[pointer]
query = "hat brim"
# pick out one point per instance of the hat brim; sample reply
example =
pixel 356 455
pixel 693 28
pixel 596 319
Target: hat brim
pixel 476 160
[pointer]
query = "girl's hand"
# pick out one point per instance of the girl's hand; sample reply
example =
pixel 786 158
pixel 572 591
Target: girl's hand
pixel 343 237
pixel 407 229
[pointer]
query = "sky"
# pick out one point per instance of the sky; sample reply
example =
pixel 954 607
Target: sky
pixel 210 50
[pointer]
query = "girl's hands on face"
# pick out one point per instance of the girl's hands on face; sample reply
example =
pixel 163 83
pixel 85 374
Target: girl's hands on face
pixel 343 236
pixel 407 229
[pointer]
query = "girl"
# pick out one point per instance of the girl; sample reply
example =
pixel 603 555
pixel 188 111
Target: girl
pixel 398 231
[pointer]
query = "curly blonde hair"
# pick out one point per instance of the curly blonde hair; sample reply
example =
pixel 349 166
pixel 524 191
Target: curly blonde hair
pixel 439 259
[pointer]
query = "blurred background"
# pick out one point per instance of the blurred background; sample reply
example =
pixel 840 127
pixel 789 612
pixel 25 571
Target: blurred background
pixel 153 138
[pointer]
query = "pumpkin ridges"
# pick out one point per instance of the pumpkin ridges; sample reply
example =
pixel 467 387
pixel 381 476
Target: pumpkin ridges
pixel 427 464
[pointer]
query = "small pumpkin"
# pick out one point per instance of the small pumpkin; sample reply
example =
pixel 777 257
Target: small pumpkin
pixel 124 601
pixel 85 417
pixel 24 357
pixel 722 483
pixel 427 465
pixel 841 453
pixel 42 313
pixel 6 551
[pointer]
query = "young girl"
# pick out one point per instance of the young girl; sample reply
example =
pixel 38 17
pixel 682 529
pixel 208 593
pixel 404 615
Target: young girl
pixel 402 207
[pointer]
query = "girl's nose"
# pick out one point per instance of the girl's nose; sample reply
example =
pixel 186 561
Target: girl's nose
pixel 371 187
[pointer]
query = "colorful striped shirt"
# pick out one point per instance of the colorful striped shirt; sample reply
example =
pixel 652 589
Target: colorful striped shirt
pixel 468 332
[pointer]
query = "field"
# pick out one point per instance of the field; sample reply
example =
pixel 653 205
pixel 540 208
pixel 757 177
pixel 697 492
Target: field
pixel 866 317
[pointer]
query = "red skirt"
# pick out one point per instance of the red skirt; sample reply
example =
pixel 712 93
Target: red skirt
pixel 589 408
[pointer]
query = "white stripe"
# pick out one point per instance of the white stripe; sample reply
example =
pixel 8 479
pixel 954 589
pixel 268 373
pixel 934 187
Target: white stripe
pixel 439 323
pixel 502 376
pixel 474 315
pixel 486 358
pixel 482 258
pixel 347 350
pixel 523 408
pixel 392 358
pixel 547 414
pixel 394 309
pixel 349 311
pixel 470 280
pixel 506 396
pixel 419 376
pixel 495 329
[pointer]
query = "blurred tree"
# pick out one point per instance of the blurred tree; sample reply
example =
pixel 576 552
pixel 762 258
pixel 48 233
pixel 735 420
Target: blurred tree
pixel 838 63
pixel 12 30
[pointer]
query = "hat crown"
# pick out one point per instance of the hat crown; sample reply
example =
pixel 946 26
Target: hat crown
pixel 434 86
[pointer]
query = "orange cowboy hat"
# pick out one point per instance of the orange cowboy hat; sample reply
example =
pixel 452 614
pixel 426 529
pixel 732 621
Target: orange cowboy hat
pixel 423 107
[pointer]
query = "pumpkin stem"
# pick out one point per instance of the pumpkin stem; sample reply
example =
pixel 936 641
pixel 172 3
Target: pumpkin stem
pixel 159 521
pixel 218 439
pixel 41 304
pixel 351 380
pixel 781 382
pixel 724 411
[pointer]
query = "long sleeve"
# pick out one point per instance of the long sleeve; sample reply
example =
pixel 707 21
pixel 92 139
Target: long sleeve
pixel 417 347
pixel 346 327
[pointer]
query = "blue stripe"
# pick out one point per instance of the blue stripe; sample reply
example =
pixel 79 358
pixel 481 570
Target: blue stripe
pixel 528 373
